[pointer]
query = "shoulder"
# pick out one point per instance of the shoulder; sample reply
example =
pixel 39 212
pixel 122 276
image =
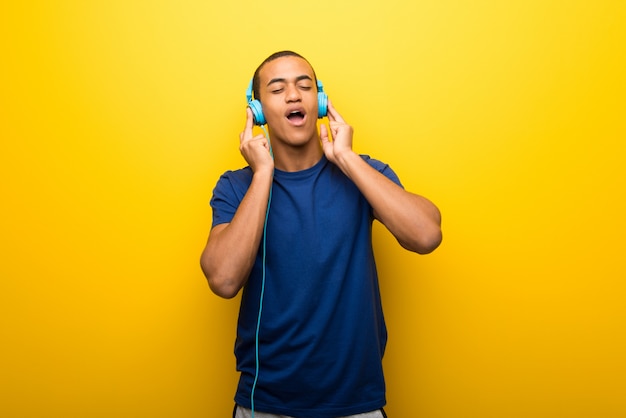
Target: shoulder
pixel 232 185
pixel 241 174
pixel 236 179
pixel 228 193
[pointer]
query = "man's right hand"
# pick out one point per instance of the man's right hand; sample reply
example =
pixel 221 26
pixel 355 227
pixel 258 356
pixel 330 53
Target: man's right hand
pixel 255 149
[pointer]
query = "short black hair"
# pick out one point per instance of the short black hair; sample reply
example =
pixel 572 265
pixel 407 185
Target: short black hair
pixel 275 55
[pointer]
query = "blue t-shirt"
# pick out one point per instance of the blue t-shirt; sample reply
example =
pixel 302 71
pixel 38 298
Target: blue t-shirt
pixel 322 334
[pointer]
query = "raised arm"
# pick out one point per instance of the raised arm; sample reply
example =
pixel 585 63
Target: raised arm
pixel 231 248
pixel 412 219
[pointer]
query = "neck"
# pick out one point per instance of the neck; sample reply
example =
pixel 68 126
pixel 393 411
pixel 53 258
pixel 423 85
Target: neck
pixel 297 158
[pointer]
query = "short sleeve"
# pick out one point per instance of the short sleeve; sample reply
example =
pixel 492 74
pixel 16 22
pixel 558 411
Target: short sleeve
pixel 228 194
pixel 383 168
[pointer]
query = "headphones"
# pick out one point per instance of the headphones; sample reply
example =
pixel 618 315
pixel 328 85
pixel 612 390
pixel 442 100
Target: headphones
pixel 257 109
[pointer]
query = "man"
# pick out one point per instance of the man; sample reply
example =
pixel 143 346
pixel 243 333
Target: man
pixel 311 333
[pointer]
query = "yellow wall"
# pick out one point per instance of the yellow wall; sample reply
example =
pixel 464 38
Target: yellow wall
pixel 117 117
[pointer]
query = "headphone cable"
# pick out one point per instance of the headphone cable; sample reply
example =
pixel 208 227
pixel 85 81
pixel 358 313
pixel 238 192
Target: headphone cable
pixel 264 247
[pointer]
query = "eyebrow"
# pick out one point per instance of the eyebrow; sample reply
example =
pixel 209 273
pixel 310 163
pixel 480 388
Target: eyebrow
pixel 283 80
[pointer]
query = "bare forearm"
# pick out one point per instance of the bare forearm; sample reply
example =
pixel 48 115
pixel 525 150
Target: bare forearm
pixel 413 220
pixel 232 248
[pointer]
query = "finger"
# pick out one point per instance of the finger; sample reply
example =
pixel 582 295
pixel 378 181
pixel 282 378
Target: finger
pixel 333 114
pixel 324 134
pixel 258 139
pixel 330 111
pixel 250 145
pixel 247 131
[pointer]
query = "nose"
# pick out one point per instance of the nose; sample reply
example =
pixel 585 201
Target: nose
pixel 292 93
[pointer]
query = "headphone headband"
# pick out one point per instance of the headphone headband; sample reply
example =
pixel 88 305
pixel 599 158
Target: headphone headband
pixel 249 91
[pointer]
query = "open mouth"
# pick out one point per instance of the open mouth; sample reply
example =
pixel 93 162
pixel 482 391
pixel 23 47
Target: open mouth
pixel 295 116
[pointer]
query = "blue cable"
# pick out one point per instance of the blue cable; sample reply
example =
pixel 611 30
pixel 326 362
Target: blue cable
pixel 258 323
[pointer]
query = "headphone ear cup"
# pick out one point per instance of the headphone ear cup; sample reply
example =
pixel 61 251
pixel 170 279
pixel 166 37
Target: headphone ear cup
pixel 322 104
pixel 257 112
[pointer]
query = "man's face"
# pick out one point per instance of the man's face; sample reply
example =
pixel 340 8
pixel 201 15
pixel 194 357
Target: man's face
pixel 288 94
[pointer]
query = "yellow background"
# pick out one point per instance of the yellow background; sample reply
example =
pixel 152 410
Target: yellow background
pixel 117 117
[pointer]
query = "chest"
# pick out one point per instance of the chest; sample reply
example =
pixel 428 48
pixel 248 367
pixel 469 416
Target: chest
pixel 318 209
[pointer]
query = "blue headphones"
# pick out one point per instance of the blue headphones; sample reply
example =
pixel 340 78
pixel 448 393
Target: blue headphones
pixel 257 109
